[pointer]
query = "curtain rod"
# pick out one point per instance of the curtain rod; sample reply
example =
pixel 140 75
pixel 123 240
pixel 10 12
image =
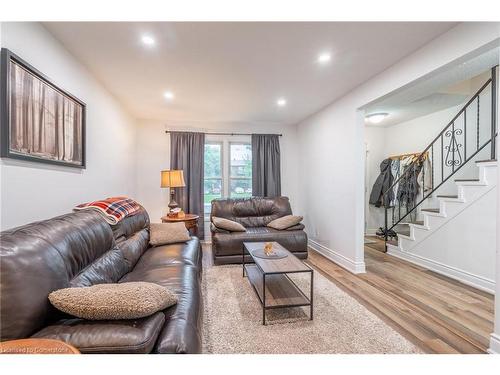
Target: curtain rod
pixel 173 131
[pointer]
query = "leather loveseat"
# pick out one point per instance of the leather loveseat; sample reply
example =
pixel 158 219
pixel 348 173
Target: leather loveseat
pixel 254 214
pixel 82 249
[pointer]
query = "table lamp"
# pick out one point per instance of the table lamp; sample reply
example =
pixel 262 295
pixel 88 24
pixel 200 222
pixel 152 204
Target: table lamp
pixel 172 179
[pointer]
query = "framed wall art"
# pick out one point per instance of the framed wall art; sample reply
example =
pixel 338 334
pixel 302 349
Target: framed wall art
pixel 40 122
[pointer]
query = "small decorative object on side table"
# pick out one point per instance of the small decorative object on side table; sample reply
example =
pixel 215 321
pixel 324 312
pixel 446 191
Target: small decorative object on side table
pixel 190 220
pixel 37 346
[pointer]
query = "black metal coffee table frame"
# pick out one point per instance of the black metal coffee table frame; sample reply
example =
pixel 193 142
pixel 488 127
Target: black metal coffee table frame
pixel 307 301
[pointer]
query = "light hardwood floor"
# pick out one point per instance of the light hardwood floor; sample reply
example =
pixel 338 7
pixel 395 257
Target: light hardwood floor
pixel 436 313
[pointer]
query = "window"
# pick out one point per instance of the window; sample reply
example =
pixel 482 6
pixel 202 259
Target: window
pixel 228 169
pixel 240 184
pixel 213 183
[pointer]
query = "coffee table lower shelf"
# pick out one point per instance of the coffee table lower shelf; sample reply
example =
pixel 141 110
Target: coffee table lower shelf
pixel 276 290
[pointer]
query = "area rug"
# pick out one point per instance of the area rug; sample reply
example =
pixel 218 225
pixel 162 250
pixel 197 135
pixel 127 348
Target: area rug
pixel 232 320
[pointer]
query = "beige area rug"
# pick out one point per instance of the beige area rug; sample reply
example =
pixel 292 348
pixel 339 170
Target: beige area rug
pixel 232 320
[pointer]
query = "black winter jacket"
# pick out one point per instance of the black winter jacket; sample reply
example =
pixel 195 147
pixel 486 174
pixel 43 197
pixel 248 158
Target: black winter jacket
pixel 383 182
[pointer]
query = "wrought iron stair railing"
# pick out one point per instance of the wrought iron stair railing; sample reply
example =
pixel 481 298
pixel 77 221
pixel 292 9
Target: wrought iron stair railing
pixel 460 141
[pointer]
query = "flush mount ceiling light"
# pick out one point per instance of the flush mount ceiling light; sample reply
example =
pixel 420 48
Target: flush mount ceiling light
pixel 148 40
pixel 376 118
pixel 169 95
pixel 281 102
pixel 324 58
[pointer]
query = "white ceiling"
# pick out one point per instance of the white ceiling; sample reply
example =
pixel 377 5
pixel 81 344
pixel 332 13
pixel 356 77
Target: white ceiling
pixel 448 88
pixel 234 72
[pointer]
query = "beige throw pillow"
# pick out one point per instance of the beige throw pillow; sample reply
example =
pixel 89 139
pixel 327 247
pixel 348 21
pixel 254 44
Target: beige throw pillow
pixel 167 233
pixel 285 222
pixel 229 225
pixel 113 301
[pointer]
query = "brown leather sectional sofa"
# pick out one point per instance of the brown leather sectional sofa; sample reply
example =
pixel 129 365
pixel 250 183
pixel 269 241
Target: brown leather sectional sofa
pixel 81 249
pixel 254 214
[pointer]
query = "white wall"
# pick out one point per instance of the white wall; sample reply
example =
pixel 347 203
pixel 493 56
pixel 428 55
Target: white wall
pixel 470 237
pixel 333 194
pixel 153 155
pixel 375 145
pixel 32 191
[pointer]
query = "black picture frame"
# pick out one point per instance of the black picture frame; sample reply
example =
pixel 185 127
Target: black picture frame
pixel 6 57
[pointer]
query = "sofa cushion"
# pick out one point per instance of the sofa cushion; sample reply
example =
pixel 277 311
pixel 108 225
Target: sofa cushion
pixel 133 247
pixel 285 222
pixel 251 212
pixel 229 225
pixel 232 243
pixel 182 332
pixel 109 268
pixel 168 233
pixel 180 253
pixel 130 225
pixel 113 301
pixel 113 336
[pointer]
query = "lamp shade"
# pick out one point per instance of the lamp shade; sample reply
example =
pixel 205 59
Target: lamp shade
pixel 172 178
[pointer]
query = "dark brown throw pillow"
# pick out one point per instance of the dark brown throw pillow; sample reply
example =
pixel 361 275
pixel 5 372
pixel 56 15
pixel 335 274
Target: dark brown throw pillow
pixel 113 301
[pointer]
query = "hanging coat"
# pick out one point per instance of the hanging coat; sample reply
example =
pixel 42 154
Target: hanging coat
pixel 425 176
pixel 408 189
pixel 382 184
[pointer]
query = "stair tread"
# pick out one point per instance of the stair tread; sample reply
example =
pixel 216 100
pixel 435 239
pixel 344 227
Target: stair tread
pixel 486 161
pixel 447 196
pixel 417 222
pixel 430 209
pixel 467 179
pixel 403 229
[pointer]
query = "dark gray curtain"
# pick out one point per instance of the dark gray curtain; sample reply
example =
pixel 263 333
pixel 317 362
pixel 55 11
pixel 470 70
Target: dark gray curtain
pixel 186 153
pixel 266 175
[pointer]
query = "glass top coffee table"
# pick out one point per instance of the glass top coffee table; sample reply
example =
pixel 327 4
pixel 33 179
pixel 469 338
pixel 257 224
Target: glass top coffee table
pixel 269 278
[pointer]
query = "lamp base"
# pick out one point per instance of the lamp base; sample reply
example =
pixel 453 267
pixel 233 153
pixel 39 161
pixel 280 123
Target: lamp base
pixel 173 204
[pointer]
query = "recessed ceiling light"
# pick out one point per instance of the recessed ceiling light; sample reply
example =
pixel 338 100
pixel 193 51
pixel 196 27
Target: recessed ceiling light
pixel 376 118
pixel 169 95
pixel 324 57
pixel 148 40
pixel 281 102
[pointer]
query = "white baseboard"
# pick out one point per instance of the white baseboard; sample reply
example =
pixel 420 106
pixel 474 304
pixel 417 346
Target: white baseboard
pixel 494 344
pixel 341 260
pixel 371 231
pixel 465 277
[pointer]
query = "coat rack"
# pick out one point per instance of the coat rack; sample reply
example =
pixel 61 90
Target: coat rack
pixel 409 154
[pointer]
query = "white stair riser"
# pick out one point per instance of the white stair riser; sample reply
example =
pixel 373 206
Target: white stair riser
pixel 467 192
pixel 490 174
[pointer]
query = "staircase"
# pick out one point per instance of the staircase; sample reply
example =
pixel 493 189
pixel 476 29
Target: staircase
pixel 468 191
pixel 459 181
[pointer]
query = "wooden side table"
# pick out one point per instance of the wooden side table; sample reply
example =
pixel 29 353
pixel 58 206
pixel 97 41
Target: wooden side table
pixel 190 220
pixel 37 346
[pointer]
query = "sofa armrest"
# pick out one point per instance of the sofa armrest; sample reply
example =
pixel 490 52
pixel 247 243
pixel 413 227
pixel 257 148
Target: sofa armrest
pixel 107 336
